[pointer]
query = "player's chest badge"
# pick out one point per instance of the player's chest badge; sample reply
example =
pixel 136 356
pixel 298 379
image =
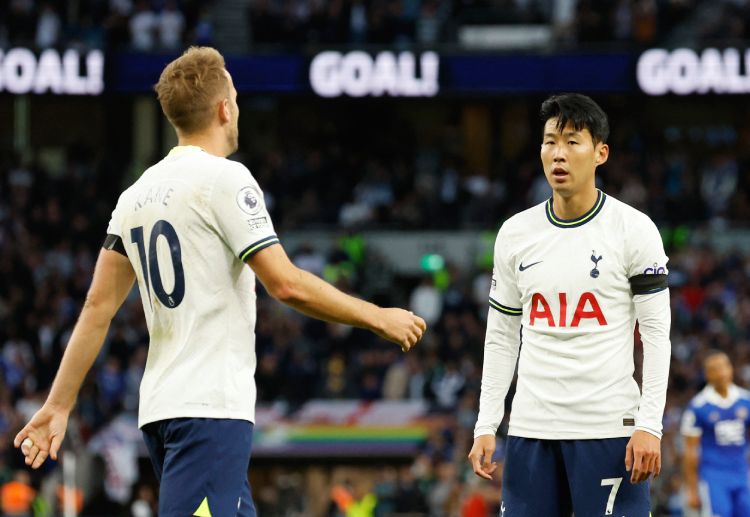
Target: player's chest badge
pixel 741 413
pixel 714 416
pixel 595 272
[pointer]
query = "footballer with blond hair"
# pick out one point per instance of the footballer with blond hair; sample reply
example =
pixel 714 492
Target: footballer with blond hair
pixel 187 230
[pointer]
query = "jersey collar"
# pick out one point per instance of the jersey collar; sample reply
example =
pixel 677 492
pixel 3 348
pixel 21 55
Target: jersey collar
pixel 578 221
pixel 179 150
pixel 713 397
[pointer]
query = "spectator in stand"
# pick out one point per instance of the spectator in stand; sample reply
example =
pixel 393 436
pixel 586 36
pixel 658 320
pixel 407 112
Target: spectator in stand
pixel 143 25
pixel 171 26
pixel 145 503
pixel 112 24
pixel 20 23
pixel 17 496
pixel 203 33
pixel 48 27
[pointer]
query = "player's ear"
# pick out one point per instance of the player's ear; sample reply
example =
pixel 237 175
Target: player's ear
pixel 601 153
pixel 225 111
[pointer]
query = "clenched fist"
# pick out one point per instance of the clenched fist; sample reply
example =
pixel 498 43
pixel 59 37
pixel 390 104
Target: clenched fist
pixel 402 327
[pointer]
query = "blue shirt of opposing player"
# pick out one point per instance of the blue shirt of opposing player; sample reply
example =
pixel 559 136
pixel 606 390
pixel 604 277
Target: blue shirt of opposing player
pixel 720 416
pixel 715 427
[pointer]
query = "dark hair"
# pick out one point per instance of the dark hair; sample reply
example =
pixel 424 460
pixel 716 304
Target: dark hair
pixel 580 111
pixel 712 354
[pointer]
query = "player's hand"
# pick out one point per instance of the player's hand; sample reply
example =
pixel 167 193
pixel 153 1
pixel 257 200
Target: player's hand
pixel 42 436
pixel 693 498
pixel 643 456
pixel 481 456
pixel 402 327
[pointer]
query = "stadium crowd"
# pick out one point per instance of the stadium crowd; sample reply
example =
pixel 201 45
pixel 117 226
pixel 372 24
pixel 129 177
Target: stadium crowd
pixel 166 25
pixel 52 224
pixel 427 22
pixel 140 25
pixel 418 175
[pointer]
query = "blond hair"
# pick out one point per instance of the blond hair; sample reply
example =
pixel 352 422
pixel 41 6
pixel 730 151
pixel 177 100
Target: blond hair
pixel 190 87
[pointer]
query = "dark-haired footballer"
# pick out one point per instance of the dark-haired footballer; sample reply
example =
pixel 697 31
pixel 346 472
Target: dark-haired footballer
pixel 575 273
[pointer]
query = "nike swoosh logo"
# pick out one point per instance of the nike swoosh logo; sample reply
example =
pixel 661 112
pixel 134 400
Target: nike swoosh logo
pixel 521 267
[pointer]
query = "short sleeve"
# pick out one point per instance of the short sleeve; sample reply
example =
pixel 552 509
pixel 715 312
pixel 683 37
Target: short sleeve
pixel 504 294
pixel 690 425
pixel 646 250
pixel 114 227
pixel 240 212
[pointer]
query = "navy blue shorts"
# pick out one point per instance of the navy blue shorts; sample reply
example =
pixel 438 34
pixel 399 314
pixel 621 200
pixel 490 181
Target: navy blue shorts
pixel 554 478
pixel 201 465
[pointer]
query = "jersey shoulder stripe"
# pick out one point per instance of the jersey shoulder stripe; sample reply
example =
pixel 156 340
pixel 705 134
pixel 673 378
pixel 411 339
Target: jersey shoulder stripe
pixel 257 246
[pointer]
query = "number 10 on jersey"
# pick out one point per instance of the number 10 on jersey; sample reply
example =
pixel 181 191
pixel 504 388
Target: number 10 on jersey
pixel 150 263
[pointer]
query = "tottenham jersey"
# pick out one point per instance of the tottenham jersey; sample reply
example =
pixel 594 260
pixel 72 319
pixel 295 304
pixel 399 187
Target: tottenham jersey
pixel 722 425
pixel 566 286
pixel 187 225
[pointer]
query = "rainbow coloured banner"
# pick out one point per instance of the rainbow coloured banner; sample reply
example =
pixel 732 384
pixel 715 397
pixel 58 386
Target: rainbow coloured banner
pixel 333 440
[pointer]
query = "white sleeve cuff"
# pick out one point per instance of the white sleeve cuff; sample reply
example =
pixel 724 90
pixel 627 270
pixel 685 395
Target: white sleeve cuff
pixel 649 431
pixel 484 430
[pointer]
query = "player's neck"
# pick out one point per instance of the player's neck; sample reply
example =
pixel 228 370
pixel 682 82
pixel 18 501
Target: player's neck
pixel 574 206
pixel 212 143
pixel 723 391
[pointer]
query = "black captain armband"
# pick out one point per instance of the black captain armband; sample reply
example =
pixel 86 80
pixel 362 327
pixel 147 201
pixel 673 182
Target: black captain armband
pixel 648 284
pixel 114 243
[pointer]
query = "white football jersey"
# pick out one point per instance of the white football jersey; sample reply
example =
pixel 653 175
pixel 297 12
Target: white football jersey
pixel 187 225
pixel 562 290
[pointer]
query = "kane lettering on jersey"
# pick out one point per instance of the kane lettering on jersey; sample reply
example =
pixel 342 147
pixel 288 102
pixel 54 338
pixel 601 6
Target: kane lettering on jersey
pixel 576 287
pixel 187 225
pixel 722 424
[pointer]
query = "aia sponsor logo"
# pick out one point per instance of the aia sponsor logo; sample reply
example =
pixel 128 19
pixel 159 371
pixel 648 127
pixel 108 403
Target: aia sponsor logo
pixel 586 307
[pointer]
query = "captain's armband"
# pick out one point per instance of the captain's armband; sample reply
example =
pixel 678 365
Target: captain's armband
pixel 648 284
pixel 114 243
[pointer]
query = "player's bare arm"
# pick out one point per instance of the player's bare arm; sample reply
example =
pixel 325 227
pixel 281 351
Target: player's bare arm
pixel 316 298
pixel 113 279
pixel 690 470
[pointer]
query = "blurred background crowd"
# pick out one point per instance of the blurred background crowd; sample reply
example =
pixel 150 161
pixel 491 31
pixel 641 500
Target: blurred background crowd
pixel 350 169
pixel 163 25
pixel 140 25
pixel 420 173
pixel 51 227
